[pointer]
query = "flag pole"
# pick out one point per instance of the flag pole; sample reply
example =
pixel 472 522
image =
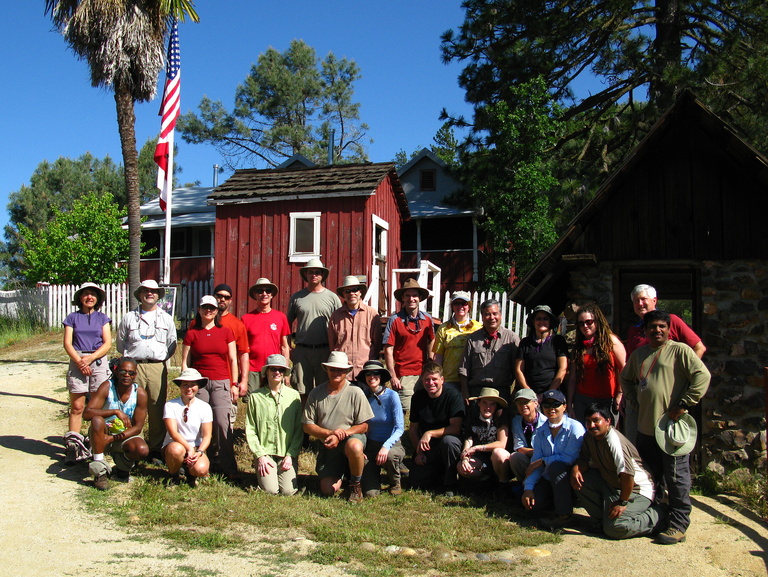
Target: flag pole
pixel 168 210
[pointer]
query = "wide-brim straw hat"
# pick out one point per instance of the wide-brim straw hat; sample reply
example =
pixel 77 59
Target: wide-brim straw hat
pixel 371 366
pixel 276 360
pixel 545 309
pixel 313 263
pixel 190 374
pixel 490 394
pixel 351 281
pixel 150 284
pixel 676 438
pixel 338 360
pixel 262 282
pixel 409 284
pixel 101 295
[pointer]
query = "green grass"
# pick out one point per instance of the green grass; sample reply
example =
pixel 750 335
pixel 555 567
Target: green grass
pixel 14 331
pixel 751 486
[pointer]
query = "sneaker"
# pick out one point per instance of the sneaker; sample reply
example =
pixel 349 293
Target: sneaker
pixel 101 482
pixel 670 537
pixel 70 454
pixel 396 490
pixel 355 493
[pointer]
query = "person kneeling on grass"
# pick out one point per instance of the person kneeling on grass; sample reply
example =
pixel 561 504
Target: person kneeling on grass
pixel 189 425
pixel 273 429
pixel 117 412
pixel 337 413
pixel 485 432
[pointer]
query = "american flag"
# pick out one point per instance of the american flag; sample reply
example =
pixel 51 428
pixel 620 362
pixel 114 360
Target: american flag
pixel 169 110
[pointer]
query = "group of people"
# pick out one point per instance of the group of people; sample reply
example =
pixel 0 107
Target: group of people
pixel 457 382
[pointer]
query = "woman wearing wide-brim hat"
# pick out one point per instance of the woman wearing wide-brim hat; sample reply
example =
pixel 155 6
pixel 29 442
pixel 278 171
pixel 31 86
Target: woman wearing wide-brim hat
pixel 189 423
pixel 486 430
pixel 273 429
pixel 383 447
pixel 87 339
pixel 542 356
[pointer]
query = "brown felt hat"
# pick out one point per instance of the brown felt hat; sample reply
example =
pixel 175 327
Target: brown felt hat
pixel 409 284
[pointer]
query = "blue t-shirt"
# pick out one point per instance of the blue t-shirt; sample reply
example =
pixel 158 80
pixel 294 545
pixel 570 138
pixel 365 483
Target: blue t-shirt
pixel 387 424
pixel 86 329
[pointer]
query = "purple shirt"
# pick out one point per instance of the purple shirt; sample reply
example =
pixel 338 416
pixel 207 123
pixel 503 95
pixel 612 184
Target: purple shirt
pixel 86 329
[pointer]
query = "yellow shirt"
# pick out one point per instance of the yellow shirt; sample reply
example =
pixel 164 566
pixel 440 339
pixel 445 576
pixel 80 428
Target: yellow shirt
pixel 450 341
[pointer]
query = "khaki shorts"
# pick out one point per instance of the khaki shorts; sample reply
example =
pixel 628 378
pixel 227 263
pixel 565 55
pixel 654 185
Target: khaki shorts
pixel 80 384
pixel 333 462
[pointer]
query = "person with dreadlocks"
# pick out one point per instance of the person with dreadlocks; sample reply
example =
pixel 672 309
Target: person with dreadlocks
pixel 597 359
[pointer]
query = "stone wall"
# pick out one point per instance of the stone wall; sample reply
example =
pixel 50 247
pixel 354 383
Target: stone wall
pixel 735 331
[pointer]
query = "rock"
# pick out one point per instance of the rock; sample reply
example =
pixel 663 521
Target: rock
pixel 367 546
pixel 442 554
pixel 536 552
pixel 716 467
pixel 391 549
pixel 134 519
pixel 408 552
pixel 483 557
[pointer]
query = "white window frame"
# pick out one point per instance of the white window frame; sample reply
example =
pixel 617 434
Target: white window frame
pixel 385 237
pixel 294 256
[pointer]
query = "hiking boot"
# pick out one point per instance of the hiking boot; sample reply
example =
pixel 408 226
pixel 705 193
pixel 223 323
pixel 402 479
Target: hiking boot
pixel 101 482
pixel 554 522
pixel 70 454
pixel 121 476
pixel 355 492
pixel 395 490
pixel 670 537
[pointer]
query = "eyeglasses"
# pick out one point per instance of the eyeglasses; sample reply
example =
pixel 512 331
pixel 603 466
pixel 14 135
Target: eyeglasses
pixel 315 272
pixel 185 413
pixel 260 291
pixel 459 303
pixel 209 308
pixel 222 297
pixel 373 374
pixel 277 369
pixel 551 405
pixel 586 323
pixel 350 291
pixel 122 372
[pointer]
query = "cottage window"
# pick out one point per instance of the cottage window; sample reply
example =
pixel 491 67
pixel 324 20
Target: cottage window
pixel 305 236
pixel 429 179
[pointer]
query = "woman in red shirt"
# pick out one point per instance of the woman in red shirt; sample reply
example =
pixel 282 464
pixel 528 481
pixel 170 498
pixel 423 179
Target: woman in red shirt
pixel 210 348
pixel 597 359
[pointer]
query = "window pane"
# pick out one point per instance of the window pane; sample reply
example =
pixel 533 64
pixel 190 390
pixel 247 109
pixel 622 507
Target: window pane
pixel 305 235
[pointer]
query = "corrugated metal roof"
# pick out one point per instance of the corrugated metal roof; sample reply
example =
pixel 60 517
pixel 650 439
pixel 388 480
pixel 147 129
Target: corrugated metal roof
pixel 189 207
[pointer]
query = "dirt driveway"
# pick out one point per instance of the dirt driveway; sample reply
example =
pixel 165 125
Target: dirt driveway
pixel 45 529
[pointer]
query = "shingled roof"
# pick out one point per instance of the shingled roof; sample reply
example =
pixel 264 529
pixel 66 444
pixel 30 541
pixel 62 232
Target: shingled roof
pixel 252 185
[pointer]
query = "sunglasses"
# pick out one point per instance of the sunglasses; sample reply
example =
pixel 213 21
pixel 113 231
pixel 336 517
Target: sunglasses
pixel 185 413
pixel 222 297
pixel 277 369
pixel 261 291
pixel 586 323
pixel 315 272
pixel 122 372
pixel 373 374
pixel 350 291
pixel 551 405
pixel 209 308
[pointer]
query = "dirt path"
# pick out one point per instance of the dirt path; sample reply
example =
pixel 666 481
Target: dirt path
pixel 44 528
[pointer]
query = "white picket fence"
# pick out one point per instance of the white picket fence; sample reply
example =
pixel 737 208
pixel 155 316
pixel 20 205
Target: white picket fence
pixel 513 315
pixel 50 305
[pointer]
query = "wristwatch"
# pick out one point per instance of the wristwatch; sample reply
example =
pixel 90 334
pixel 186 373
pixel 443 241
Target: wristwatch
pixel 623 503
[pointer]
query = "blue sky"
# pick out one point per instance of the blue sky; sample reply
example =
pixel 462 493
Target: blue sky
pixel 51 110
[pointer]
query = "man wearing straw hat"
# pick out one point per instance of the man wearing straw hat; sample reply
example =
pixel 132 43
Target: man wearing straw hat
pixel 355 328
pixel 337 413
pixel 147 334
pixel 267 329
pixel 663 379
pixel 311 308
pixel 408 340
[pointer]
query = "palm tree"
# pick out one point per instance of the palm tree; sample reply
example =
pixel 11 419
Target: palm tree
pixel 123 43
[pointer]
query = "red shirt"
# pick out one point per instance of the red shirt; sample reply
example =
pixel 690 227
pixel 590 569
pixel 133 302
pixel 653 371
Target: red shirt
pixel 410 343
pixel 265 333
pixel 598 384
pixel 209 351
pixel 678 331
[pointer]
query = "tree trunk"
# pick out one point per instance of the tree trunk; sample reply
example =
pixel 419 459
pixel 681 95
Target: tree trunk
pixel 667 53
pixel 126 123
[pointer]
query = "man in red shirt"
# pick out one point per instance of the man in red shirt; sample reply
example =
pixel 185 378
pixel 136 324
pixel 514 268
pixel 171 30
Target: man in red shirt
pixel 267 329
pixel 408 341
pixel 223 295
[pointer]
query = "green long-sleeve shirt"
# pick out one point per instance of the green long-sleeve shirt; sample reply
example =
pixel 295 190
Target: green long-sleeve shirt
pixel 273 423
pixel 677 374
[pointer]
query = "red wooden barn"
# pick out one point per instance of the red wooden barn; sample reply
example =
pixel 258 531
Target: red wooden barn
pixel 270 222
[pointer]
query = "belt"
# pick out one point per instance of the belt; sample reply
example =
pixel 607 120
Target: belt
pixel 323 346
pixel 146 361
